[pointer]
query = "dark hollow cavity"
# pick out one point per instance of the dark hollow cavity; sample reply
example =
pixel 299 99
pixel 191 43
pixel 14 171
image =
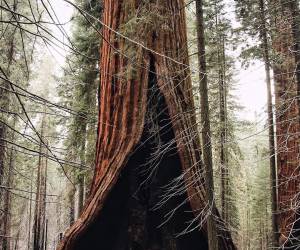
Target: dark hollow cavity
pixel 128 220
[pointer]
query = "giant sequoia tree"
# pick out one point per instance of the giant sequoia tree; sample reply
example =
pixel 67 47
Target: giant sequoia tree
pixel 148 185
pixel 287 106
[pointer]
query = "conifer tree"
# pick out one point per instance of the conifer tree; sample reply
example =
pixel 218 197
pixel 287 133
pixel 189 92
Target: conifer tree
pixel 205 131
pixel 254 17
pixel 14 66
pixel 128 69
pixel 220 42
pixel 81 77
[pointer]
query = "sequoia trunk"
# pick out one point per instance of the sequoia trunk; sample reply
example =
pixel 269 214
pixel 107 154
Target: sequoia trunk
pixel 287 126
pixel 148 167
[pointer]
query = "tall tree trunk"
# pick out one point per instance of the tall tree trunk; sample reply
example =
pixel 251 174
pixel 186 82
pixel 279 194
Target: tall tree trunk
pixel 45 221
pixel 46 235
pixel 205 131
pixel 81 185
pixel 223 133
pixel 223 158
pixel 30 218
pixel 272 153
pixel 81 177
pixel 5 100
pixel 7 196
pixel 71 204
pixel 119 212
pixel 9 53
pixel 40 203
pixel 287 125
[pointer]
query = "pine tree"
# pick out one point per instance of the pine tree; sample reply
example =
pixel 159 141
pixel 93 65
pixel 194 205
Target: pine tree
pixel 254 16
pixel 40 196
pixel 205 131
pixel 81 78
pixel 14 47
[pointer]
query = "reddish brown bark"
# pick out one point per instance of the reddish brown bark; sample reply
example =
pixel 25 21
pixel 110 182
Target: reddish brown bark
pixel 124 90
pixel 287 128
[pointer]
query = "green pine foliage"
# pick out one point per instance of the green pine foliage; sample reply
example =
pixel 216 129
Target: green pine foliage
pixel 220 42
pixel 254 185
pixel 221 68
pixel 78 87
pixel 249 16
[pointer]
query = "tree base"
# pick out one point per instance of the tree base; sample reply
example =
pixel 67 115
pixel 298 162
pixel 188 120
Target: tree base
pixel 130 218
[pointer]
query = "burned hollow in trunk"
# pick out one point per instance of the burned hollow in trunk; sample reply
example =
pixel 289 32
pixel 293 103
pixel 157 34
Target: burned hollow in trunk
pixel 131 217
pixel 146 111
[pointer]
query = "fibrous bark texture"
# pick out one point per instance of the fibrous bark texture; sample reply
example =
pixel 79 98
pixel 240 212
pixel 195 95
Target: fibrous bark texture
pixel 148 185
pixel 287 128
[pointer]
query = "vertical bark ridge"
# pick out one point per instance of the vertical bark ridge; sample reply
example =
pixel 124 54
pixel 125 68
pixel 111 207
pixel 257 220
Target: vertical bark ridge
pixel 123 98
pixel 287 127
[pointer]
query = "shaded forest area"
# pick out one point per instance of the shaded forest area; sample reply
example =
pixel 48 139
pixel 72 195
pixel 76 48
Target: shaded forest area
pixel 122 124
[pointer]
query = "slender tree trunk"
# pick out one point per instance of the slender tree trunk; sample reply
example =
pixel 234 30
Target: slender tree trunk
pixel 4 105
pixel 266 222
pixel 7 205
pixel 81 182
pixel 7 197
pixel 2 152
pixel 45 221
pixel 71 203
pixel 223 133
pixel 46 235
pixel 29 218
pixel 272 152
pixel 81 178
pixel 221 57
pixel 205 132
pixel 40 203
